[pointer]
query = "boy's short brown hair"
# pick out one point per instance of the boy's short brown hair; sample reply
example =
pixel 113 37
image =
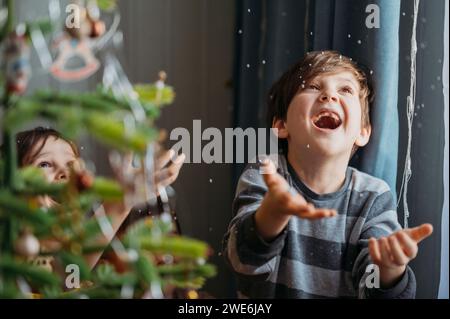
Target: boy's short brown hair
pixel 311 65
pixel 27 140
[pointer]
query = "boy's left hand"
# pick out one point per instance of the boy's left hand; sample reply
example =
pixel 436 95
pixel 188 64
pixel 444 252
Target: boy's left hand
pixel 394 252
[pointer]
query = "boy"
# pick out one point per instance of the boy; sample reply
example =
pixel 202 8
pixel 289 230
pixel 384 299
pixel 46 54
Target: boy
pixel 316 228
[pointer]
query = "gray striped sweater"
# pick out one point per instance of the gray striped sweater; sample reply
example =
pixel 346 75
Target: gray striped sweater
pixel 313 259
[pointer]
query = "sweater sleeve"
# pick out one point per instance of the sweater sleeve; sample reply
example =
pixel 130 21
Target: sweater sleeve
pixel 381 221
pixel 244 250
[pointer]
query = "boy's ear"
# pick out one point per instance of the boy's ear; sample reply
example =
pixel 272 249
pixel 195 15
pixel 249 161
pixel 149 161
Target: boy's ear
pixel 364 136
pixel 280 125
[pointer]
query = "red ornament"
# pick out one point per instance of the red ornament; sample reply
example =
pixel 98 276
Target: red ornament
pixel 84 180
pixel 98 28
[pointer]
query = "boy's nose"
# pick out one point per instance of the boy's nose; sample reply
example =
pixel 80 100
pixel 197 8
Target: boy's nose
pixel 327 97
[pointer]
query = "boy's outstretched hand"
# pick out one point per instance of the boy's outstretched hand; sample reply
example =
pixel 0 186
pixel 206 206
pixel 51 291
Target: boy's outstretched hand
pixel 394 252
pixel 287 201
pixel 280 203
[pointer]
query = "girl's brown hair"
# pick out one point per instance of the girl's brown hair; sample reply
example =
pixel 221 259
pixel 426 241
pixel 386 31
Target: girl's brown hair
pixel 26 142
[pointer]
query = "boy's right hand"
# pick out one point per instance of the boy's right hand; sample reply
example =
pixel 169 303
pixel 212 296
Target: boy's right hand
pixel 280 203
pixel 287 201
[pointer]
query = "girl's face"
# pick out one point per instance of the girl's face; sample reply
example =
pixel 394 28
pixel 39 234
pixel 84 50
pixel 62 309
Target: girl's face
pixel 55 160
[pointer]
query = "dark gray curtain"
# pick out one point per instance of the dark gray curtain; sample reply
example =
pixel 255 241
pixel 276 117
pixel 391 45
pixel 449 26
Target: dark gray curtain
pixel 426 187
pixel 272 35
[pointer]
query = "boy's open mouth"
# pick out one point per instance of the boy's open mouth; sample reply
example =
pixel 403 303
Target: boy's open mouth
pixel 327 120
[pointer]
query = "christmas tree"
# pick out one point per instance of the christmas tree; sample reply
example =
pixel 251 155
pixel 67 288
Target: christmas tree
pixel 149 257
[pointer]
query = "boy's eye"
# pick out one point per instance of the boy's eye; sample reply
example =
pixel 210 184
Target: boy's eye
pixel 347 89
pixel 313 87
pixel 44 165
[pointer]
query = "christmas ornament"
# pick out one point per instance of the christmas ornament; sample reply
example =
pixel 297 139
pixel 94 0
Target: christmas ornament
pixel 44 262
pixel 75 61
pixel 17 63
pixel 27 245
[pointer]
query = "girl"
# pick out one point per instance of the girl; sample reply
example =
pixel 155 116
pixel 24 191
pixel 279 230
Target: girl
pixel 46 149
